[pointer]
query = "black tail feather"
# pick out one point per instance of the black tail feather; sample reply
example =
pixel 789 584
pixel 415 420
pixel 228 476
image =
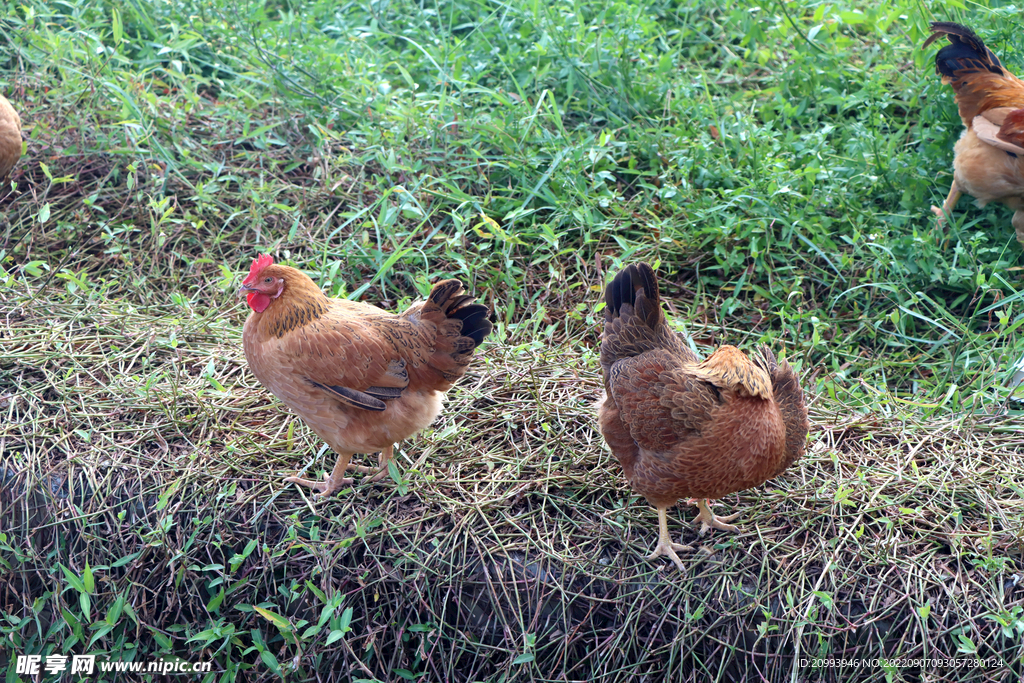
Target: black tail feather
pixel 475 323
pixel 454 303
pixel 966 52
pixel 634 322
pixel 635 286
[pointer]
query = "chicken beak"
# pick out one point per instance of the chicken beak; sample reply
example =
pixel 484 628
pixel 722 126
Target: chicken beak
pixel 243 290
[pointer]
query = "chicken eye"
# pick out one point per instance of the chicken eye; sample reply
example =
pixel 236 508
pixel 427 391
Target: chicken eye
pixel 269 280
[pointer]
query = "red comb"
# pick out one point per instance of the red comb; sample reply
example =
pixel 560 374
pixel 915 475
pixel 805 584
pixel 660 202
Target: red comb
pixel 258 264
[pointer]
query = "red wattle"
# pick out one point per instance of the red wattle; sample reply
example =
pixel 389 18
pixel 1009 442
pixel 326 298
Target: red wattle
pixel 257 301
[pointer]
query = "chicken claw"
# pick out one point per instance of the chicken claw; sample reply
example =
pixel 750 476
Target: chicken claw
pixel 665 545
pixel 708 520
pixel 381 470
pixel 330 484
pixel 948 205
pixel 337 479
pixel 324 488
pixel 378 472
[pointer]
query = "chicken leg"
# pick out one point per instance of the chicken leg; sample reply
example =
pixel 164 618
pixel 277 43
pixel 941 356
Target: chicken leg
pixel 708 520
pixel 948 205
pixel 331 483
pixel 665 545
pixel 1018 225
pixel 337 479
pixel 381 469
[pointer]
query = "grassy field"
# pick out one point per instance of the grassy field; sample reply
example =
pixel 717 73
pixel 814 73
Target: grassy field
pixel 776 161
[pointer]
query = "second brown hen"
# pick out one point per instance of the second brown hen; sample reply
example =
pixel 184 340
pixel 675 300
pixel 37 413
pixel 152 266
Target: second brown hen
pixel 360 377
pixel 686 428
pixel 10 137
pixel 988 161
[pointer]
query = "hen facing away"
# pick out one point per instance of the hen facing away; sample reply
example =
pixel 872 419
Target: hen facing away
pixel 988 161
pixel 682 427
pixel 361 378
pixel 10 137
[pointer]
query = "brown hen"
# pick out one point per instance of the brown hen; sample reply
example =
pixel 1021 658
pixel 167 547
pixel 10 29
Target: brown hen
pixel 361 378
pixel 686 428
pixel 988 161
pixel 10 137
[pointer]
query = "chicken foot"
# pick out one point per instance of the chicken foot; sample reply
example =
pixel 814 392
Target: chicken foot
pixel 1018 225
pixel 948 205
pixel 708 520
pixel 337 478
pixel 331 483
pixel 381 469
pixel 665 545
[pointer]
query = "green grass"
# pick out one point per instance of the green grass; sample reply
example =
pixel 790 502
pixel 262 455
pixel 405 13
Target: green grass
pixel 777 161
